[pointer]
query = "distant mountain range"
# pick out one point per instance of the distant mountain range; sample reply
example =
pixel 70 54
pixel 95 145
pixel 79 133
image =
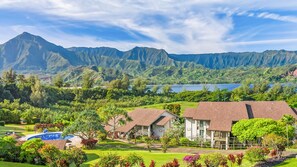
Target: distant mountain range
pixel 27 52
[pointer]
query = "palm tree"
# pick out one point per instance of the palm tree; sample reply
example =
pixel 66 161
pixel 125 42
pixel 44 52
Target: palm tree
pixel 289 120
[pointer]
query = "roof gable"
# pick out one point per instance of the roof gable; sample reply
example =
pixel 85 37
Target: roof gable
pixel 141 117
pixel 222 114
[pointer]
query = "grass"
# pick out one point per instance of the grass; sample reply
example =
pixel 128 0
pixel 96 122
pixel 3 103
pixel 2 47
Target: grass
pixel 10 164
pixel 183 104
pixel 124 149
pixel 18 128
pixel 291 162
pixel 159 157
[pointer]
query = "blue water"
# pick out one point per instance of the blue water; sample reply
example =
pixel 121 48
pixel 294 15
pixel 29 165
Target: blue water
pixel 192 87
pixel 51 136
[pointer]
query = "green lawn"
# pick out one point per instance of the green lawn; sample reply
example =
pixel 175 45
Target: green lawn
pixel 19 129
pixel 12 164
pixel 292 162
pixel 183 104
pixel 123 149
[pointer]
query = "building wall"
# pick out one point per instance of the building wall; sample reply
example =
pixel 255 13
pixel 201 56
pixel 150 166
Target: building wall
pixel 197 129
pixel 191 129
pixel 159 131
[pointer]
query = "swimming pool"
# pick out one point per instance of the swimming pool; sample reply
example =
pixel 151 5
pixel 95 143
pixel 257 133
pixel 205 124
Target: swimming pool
pixel 50 136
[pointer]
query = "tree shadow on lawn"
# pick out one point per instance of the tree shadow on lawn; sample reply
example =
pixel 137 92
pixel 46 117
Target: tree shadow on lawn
pixel 91 157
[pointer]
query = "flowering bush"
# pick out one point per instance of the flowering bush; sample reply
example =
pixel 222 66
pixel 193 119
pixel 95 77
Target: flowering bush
pixel 232 159
pixel 77 156
pixel 239 158
pixel 174 163
pixel 191 160
pixel 215 159
pixel 131 160
pixel 109 160
pixel 235 159
pixel 50 153
pixel 60 126
pixel 153 164
pixel 256 153
pixel 89 143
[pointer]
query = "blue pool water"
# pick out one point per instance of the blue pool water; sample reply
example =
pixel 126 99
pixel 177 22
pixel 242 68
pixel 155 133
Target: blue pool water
pixel 51 136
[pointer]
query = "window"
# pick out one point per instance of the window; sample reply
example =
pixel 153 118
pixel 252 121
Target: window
pixel 202 124
pixel 201 133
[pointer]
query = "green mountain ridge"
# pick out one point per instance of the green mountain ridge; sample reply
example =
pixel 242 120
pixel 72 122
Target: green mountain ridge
pixel 30 52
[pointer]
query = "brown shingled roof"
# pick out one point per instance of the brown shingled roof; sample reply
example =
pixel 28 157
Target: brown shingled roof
pixel 164 120
pixel 222 114
pixel 270 109
pixel 141 117
pixel 60 144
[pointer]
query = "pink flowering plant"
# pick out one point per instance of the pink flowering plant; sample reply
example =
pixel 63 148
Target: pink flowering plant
pixel 192 160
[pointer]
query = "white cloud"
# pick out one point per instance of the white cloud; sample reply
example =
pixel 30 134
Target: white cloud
pixel 194 21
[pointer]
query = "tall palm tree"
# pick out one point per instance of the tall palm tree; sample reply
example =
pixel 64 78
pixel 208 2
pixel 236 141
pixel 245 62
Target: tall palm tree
pixel 289 120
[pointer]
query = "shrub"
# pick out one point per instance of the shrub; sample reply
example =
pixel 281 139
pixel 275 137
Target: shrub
pixel 109 160
pixel 165 143
pixel 153 164
pixel 102 135
pixel 89 143
pixel 173 142
pixel 184 141
pixel 8 150
pixel 29 151
pixel 174 163
pixel 191 160
pixel 276 142
pixel 255 154
pixel 50 153
pixel 78 156
pixel 131 159
pixel 148 141
pixel 232 159
pixel 2 123
pixel 29 128
pixel 64 159
pixel 215 159
pixel 239 158
pixel 273 153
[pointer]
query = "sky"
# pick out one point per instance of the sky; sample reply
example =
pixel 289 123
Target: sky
pixel 178 26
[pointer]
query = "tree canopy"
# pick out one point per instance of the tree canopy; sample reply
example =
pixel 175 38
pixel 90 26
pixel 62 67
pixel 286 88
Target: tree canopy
pixel 252 129
pixel 113 116
pixel 86 126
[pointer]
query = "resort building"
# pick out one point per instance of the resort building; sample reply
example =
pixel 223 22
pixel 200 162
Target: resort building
pixel 146 122
pixel 212 121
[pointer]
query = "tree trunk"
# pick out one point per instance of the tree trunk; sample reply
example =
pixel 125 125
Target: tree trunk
pixel 113 129
pixel 287 135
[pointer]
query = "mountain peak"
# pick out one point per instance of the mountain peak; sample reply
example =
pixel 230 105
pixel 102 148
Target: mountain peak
pixel 28 36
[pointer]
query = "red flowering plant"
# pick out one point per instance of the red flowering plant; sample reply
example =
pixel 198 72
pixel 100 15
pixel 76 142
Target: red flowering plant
pixel 192 160
pixel 239 158
pixel 232 159
pixel 174 163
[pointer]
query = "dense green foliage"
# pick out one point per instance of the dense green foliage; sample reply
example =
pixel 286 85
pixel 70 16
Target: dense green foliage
pixel 156 65
pixel 256 153
pixel 254 129
pixel 113 116
pixel 86 125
